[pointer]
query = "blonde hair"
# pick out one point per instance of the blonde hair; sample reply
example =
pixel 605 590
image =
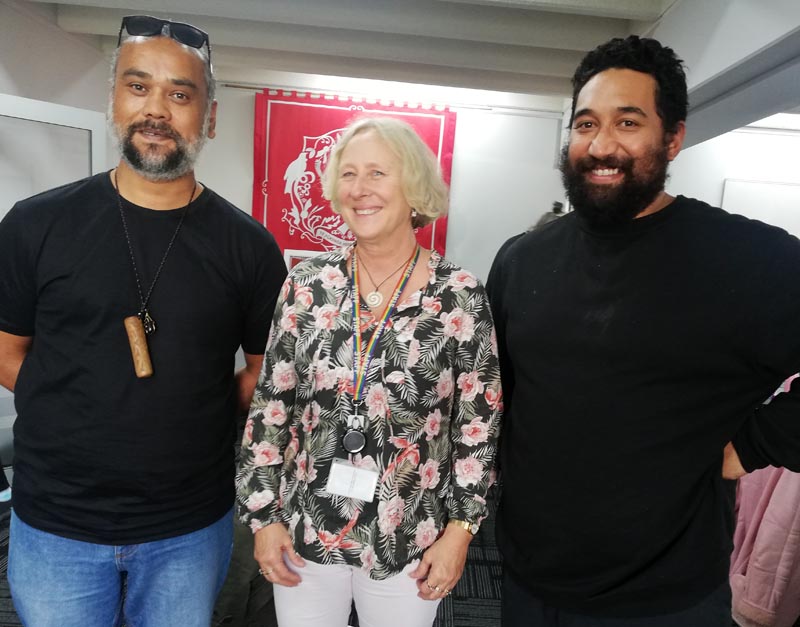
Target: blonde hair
pixel 423 187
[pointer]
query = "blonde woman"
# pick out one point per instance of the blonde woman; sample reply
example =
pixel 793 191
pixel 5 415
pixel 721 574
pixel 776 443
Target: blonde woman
pixel 371 436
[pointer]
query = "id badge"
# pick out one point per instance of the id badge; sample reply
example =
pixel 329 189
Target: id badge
pixel 348 480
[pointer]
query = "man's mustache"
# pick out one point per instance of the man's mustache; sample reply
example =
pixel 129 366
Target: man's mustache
pixel 149 125
pixel 589 163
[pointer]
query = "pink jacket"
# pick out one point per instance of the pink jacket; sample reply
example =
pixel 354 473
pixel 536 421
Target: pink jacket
pixel 765 564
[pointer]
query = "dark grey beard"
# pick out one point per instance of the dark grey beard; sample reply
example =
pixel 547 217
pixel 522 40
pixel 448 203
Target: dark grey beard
pixel 156 167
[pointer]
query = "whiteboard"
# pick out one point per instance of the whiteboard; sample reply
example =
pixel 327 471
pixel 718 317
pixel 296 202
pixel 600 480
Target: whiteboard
pixel 773 203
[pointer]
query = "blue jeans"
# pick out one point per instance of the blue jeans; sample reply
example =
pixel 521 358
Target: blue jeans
pixel 58 582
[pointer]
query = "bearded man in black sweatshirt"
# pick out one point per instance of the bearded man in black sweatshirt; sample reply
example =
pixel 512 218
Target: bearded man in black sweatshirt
pixel 638 336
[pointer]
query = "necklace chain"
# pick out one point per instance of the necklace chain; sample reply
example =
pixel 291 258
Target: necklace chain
pixel 375 298
pixel 144 299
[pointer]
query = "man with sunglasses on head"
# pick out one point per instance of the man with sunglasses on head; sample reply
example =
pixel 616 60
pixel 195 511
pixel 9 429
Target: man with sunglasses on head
pixel 123 300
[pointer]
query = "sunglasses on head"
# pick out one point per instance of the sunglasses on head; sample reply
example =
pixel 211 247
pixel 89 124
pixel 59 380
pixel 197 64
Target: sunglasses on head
pixel 147 26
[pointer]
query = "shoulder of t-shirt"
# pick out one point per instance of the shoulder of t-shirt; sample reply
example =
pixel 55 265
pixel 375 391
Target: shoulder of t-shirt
pixel 243 223
pixel 57 198
pixel 536 239
pixel 228 211
pixel 726 225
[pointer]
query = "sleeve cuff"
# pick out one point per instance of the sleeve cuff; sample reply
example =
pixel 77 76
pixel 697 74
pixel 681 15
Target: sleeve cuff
pixel 748 456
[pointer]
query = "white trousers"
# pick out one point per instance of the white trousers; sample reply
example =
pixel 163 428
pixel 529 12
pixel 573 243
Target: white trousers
pixel 324 597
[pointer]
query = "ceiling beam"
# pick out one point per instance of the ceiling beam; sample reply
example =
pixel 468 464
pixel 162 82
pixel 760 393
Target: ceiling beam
pixel 421 18
pixel 646 10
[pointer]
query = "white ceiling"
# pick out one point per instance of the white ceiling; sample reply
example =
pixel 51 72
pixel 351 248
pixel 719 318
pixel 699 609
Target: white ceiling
pixel 520 46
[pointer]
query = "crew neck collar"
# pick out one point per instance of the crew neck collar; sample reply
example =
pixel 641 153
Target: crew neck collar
pixel 635 226
pixel 112 191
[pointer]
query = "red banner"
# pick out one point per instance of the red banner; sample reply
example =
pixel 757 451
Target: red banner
pixel 294 135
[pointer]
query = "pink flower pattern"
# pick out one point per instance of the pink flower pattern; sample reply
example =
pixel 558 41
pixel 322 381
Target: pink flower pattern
pixel 469 471
pixel 431 305
pixel 265 454
pixel 458 324
pixel 390 514
pixel 494 399
pixel 377 401
pixel 432 423
pixel 325 317
pixel 288 323
pixel 462 279
pixel 367 557
pixel 444 385
pixel 431 407
pixel 426 533
pixel 476 432
pixel 470 385
pixel 259 500
pixel 284 376
pixel 429 475
pixel 303 296
pixel 274 413
pixel 332 277
pixel 247 438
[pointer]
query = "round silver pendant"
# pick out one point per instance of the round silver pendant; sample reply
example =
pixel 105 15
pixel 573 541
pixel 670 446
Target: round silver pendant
pixel 354 441
pixel 374 299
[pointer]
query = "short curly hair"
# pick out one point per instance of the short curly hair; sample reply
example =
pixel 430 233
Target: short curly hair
pixel 642 55
pixel 423 187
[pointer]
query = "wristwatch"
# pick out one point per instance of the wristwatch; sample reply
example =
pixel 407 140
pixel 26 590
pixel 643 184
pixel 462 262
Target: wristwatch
pixel 472 527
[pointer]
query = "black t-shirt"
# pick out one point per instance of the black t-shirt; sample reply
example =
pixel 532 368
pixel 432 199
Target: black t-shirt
pixel 100 455
pixel 630 357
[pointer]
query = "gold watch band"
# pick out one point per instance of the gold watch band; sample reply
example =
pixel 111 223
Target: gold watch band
pixel 467 526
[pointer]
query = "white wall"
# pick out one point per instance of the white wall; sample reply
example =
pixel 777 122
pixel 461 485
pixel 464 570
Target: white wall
pixel 748 154
pixel 504 178
pixel 712 36
pixel 226 163
pixel 39 60
pixel 742 57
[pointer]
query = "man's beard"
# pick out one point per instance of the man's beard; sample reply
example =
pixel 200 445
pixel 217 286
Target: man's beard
pixel 610 205
pixel 153 163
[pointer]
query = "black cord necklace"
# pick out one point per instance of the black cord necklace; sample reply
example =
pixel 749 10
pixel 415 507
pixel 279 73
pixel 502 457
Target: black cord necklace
pixel 144 315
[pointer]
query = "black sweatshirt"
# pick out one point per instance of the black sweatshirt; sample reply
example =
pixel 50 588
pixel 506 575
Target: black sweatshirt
pixel 630 357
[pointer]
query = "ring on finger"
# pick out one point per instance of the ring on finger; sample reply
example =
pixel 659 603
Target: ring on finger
pixel 265 573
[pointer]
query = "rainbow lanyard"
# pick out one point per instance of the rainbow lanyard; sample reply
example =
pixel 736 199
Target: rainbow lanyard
pixel 363 357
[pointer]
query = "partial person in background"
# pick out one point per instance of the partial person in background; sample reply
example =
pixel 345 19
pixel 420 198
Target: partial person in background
pixel 556 212
pixel 123 300
pixel 638 335
pixel 5 492
pixel 765 564
pixel 368 451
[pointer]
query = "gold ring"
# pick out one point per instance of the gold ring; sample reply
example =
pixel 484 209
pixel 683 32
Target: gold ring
pixel 266 573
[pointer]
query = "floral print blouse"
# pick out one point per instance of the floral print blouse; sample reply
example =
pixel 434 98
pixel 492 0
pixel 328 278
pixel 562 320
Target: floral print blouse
pixel 432 401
